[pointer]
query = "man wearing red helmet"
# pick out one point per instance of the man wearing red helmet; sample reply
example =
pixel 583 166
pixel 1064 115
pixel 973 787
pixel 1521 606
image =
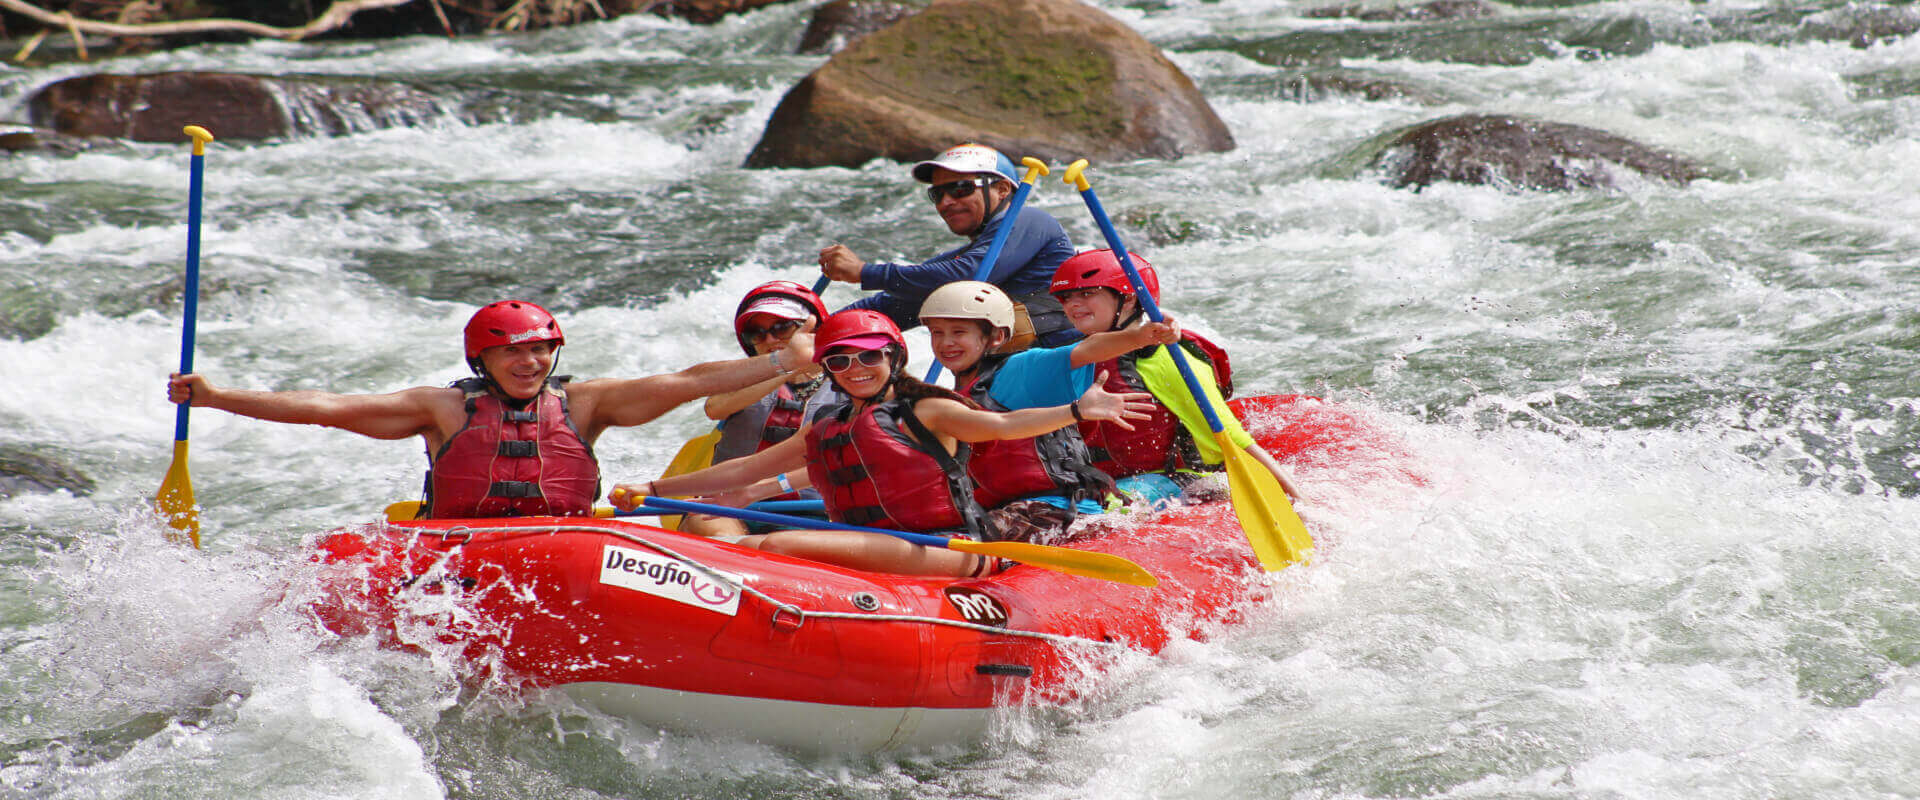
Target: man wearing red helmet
pixel 893 455
pixel 513 440
pixel 970 186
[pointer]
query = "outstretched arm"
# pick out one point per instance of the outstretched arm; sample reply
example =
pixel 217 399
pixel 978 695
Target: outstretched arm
pixel 950 418
pixel 398 415
pixel 636 401
pixel 1114 344
pixel 726 404
pixel 787 456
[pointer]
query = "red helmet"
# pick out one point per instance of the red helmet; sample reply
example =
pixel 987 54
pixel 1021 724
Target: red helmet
pixel 510 322
pixel 767 297
pixel 857 327
pixel 1098 268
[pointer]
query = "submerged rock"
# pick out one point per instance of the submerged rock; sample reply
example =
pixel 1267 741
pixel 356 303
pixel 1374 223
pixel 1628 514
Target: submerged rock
pixel 1433 10
pixel 836 24
pixel 23 470
pixel 154 107
pixel 1516 152
pixel 1055 79
pixel 1316 83
pixel 1503 41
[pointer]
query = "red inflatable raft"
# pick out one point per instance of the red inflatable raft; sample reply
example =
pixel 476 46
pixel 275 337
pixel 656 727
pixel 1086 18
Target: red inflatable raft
pixel 681 632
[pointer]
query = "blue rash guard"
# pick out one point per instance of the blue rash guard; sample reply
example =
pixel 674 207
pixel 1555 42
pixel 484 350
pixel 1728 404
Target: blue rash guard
pixel 1034 248
pixel 1046 377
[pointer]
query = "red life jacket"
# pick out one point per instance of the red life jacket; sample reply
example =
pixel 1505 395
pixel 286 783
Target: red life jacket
pixel 871 472
pixel 1051 463
pixel 771 420
pixel 1156 444
pixel 508 463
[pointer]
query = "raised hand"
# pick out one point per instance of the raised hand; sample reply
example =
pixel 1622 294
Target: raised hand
pixel 1104 406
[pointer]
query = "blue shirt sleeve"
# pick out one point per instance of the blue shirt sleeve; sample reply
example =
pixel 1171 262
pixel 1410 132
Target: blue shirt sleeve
pixel 1036 245
pixel 1040 378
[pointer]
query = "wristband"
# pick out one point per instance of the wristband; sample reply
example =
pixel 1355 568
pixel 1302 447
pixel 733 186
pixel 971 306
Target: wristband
pixel 785 485
pixel 1074 407
pixel 778 369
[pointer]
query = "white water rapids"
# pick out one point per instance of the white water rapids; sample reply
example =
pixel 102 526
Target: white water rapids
pixel 1665 545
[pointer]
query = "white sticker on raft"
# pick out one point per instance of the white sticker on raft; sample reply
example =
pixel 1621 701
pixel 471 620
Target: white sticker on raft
pixel 660 576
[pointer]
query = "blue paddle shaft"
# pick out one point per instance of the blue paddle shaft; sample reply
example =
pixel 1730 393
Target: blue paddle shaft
pixel 192 291
pixel 690 507
pixel 775 506
pixel 1152 308
pixel 985 270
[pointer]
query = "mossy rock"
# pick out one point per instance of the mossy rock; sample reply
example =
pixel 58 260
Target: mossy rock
pixel 1055 79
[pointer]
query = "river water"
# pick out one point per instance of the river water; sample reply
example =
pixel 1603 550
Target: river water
pixel 1661 542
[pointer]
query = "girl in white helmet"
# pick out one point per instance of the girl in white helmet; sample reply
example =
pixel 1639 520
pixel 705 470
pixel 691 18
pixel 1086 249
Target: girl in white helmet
pixel 1034 485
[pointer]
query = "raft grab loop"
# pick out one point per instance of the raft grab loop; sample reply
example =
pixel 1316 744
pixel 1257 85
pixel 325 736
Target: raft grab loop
pixel 798 615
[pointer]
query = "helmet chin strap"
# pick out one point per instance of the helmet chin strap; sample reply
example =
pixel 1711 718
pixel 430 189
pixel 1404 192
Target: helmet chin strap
pixel 1120 324
pixel 995 208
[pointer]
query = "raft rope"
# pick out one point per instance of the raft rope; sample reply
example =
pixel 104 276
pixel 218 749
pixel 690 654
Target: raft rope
pixel 800 614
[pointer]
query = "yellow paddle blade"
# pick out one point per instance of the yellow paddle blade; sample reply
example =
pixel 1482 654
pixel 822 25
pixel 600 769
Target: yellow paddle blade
pixel 175 499
pixel 1273 528
pixel 695 455
pixel 1062 559
pixel 403 511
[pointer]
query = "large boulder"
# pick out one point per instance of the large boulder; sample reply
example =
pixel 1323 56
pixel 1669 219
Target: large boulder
pixel 1519 153
pixel 1055 79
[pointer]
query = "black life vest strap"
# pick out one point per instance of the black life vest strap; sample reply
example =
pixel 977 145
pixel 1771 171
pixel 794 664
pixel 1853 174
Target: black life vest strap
pixel 848 474
pixel 520 449
pixel 514 489
pixel 959 485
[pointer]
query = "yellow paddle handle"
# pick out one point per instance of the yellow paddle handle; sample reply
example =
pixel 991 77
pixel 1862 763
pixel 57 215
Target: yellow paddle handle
pixel 200 138
pixel 1076 175
pixel 1036 169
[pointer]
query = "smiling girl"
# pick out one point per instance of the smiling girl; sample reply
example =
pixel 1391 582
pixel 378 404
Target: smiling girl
pixel 892 455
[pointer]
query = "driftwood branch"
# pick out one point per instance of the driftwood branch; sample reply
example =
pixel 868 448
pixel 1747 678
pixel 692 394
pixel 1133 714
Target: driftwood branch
pixel 336 15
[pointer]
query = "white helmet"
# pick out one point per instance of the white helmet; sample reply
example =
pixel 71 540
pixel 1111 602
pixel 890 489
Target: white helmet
pixel 970 300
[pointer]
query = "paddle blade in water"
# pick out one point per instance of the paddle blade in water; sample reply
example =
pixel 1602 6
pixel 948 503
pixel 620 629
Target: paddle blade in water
pixel 175 500
pixel 1083 563
pixel 1273 528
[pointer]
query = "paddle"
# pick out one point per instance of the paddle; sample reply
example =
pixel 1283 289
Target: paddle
pixel 1266 515
pixel 1084 563
pixel 697 453
pixel 409 510
pixel 1035 169
pixel 175 498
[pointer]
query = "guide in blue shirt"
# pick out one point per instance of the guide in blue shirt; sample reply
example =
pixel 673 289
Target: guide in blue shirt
pixel 970 186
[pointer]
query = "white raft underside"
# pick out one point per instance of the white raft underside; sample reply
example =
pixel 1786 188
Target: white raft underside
pixel 818 728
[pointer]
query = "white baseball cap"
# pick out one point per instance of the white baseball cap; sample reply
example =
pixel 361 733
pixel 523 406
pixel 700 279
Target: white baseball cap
pixel 974 159
pixel 782 307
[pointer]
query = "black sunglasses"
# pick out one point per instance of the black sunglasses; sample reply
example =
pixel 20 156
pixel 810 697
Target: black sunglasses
pixel 778 330
pixel 841 362
pixel 958 190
